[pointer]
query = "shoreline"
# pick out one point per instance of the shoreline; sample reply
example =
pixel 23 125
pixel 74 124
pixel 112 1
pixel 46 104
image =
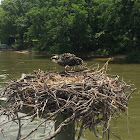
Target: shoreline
pixel 98 57
pixel 115 58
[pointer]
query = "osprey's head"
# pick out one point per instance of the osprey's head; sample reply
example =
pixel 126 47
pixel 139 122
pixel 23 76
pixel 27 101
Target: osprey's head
pixel 55 58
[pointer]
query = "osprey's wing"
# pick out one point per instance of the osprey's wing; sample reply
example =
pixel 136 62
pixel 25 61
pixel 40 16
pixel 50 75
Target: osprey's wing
pixel 69 59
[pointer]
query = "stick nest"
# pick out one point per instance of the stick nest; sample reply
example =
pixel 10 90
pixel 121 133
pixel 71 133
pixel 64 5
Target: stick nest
pixel 90 97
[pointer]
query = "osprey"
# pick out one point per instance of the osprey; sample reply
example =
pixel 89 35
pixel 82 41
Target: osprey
pixel 67 59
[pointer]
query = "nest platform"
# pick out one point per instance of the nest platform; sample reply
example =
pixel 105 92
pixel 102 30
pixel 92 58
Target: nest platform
pixel 91 97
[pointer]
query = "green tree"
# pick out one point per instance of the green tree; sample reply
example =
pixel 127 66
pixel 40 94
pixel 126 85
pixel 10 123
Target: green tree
pixel 105 26
pixel 13 20
pixel 7 20
pixel 121 25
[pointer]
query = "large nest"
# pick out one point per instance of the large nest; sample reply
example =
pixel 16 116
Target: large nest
pixel 91 97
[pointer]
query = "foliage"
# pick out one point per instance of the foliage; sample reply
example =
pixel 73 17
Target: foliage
pixel 133 56
pixel 72 26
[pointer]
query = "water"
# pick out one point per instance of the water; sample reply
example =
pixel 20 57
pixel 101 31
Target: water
pixel 13 64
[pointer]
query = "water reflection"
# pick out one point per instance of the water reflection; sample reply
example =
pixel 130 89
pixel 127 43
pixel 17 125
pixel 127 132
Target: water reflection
pixel 12 65
pixel 3 76
pixel 10 130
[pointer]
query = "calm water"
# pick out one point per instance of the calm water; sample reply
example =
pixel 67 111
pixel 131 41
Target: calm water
pixel 13 64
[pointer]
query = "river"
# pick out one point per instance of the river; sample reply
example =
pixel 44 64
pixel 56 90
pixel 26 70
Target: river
pixel 13 64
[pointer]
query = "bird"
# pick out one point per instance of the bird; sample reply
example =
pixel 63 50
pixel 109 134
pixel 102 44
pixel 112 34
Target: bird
pixel 67 60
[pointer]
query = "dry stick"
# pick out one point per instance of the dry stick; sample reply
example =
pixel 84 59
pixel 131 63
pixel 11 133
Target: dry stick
pixel 1 123
pixel 127 124
pixel 43 108
pixel 45 127
pixel 51 116
pixel 105 122
pixel 10 77
pixel 130 94
pixel 19 130
pixel 93 127
pixel 36 100
pixel 7 117
pixel 105 66
pixel 5 137
pixel 81 103
pixel 32 118
pixel 46 86
pixel 81 128
pixel 60 127
pixel 108 122
pixel 108 135
pixel 115 135
pixel 109 97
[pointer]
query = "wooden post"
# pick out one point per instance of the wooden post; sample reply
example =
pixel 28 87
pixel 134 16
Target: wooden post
pixel 68 131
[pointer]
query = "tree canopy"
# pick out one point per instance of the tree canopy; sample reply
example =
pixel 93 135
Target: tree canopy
pixel 102 26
